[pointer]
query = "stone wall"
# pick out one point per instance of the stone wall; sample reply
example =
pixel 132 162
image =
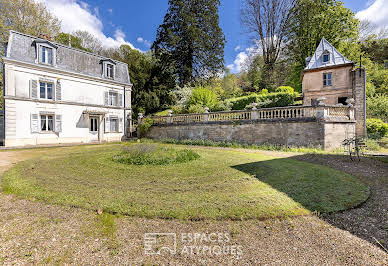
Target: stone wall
pixel 359 91
pixel 306 132
pixel 312 84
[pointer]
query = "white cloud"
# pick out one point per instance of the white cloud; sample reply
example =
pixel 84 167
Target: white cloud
pixel 377 13
pixel 77 15
pixel 238 48
pixel 110 10
pixel 143 41
pixel 242 58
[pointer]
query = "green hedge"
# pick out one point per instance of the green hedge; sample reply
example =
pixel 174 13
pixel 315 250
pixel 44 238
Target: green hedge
pixel 376 128
pixel 275 99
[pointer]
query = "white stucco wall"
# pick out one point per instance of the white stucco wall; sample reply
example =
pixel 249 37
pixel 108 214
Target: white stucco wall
pixel 79 96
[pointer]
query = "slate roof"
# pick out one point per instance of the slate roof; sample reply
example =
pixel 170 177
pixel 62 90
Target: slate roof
pixel 21 47
pixel 336 58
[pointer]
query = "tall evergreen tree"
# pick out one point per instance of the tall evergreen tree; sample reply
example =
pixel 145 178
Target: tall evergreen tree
pixel 191 39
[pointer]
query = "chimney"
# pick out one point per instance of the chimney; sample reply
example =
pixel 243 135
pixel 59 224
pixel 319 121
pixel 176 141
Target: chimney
pixel 45 37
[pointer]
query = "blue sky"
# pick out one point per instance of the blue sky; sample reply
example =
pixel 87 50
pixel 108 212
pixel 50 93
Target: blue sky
pixel 135 21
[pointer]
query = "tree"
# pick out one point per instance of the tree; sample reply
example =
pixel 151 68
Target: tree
pixel 191 38
pixel 152 84
pixel 313 20
pixel 267 21
pixel 24 16
pixel 28 17
pixel 89 41
pixel 75 42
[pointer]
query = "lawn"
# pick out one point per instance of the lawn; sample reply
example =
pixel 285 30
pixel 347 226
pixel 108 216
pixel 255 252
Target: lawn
pixel 221 184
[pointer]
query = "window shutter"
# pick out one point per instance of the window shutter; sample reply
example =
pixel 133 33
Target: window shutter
pixel 121 125
pixel 107 124
pixel 106 98
pixel 58 92
pixel 34 123
pixel 58 123
pixel 120 100
pixel 33 88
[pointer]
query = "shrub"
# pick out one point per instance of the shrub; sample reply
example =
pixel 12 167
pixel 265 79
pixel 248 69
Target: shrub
pixel 376 128
pixel 153 154
pixel 288 89
pixel 377 107
pixel 275 99
pixel 145 125
pixel 196 109
pixel 204 97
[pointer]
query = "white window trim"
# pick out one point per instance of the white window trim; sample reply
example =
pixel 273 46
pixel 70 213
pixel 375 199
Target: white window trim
pixel 116 94
pixel 53 89
pixel 117 129
pixel 39 51
pixel 40 123
pixel 104 71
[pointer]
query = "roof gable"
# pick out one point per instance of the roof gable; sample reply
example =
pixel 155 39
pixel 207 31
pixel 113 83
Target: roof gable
pixel 335 57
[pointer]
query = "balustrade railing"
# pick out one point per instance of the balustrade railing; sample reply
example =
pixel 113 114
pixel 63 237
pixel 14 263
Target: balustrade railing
pixel 290 112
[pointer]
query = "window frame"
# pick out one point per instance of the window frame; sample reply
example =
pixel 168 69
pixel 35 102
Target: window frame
pixel 326 79
pixel 117 126
pixel 108 69
pixel 113 95
pixel 39 53
pixel 93 127
pixel 328 57
pixel 46 119
pixel 46 90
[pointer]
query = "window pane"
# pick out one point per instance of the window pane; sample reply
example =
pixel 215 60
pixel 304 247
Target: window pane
pixel 49 55
pixel 95 125
pixel 49 91
pixel 42 90
pixel 43 54
pixel 43 123
pixel 113 125
pixel 50 126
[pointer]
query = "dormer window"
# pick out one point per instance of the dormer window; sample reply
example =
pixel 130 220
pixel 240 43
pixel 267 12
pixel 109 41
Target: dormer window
pixel 47 55
pixel 326 57
pixel 45 52
pixel 109 71
pixel 108 68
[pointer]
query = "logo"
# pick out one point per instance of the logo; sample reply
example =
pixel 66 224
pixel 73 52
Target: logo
pixel 156 243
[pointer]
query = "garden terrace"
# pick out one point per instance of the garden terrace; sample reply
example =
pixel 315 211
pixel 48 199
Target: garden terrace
pixel 321 126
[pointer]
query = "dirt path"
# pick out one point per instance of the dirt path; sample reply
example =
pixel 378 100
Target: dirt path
pixel 34 232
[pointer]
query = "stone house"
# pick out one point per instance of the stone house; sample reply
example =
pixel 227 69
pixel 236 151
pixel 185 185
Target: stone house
pixel 55 94
pixel 332 79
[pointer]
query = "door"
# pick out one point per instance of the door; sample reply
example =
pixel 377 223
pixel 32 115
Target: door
pixel 94 128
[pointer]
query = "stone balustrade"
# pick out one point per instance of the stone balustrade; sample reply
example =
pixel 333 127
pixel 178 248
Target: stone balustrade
pixel 289 112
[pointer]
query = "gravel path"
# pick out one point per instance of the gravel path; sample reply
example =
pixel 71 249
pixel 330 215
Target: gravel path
pixel 34 232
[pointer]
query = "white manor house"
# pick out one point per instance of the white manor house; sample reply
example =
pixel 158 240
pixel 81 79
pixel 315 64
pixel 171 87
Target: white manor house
pixel 56 94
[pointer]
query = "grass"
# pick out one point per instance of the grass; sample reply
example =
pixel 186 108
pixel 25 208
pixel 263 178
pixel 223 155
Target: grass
pixel 221 184
pixel 153 154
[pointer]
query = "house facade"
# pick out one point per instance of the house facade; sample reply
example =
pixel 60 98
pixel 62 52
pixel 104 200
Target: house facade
pixel 331 79
pixel 56 94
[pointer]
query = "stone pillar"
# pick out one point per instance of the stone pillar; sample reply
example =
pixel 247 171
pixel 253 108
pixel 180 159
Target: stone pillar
pixel 254 114
pixel 206 115
pixel 129 124
pixel 359 96
pixel 321 112
pixel 169 118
